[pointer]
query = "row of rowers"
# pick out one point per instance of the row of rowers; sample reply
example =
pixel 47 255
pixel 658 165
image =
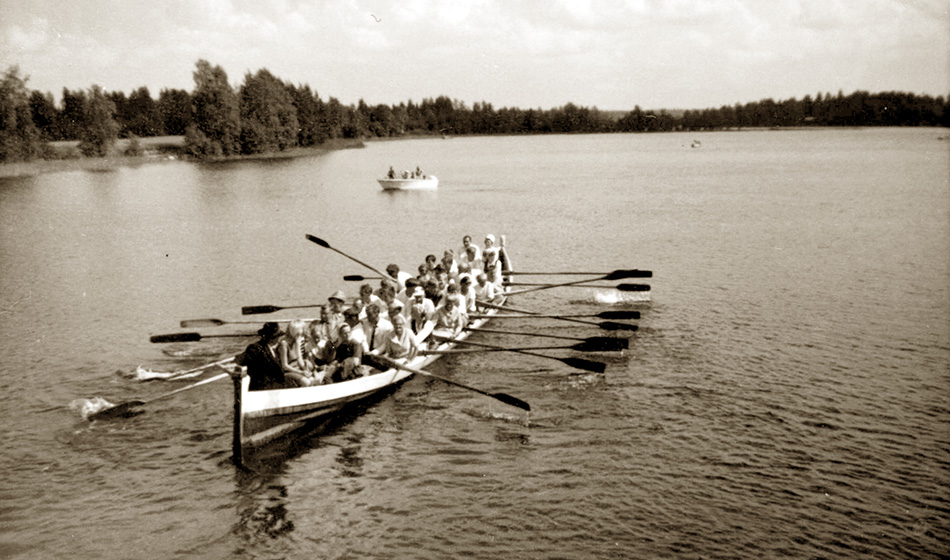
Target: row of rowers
pixel 394 321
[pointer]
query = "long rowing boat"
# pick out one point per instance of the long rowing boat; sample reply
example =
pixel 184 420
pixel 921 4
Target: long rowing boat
pixel 263 416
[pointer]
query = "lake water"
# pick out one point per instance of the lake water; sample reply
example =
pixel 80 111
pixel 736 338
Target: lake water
pixel 786 395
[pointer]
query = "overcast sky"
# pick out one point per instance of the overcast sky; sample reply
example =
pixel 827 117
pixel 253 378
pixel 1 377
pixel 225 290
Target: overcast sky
pixel 611 54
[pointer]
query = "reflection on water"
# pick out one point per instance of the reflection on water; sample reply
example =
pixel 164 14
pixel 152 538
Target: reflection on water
pixel 792 363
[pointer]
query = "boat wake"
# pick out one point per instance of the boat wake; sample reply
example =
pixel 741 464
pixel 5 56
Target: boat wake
pixel 143 374
pixel 520 419
pixel 616 297
pixel 87 407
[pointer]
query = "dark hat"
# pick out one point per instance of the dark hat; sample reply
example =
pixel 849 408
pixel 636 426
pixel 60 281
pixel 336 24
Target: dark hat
pixel 269 330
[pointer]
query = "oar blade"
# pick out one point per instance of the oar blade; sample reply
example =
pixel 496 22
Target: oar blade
pixel 633 287
pixel 612 326
pixel 124 409
pixel 586 365
pixel 259 309
pixel 198 323
pixel 618 315
pixel 318 241
pixel 606 344
pixel 176 337
pixel 634 273
pixel 508 399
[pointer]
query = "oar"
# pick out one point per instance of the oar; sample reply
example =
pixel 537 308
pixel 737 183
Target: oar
pixel 606 325
pixel 620 287
pixel 579 363
pixel 197 323
pixel 358 278
pixel 626 287
pixel 602 315
pixel 607 344
pixel 193 336
pixel 622 342
pixel 629 273
pixel 258 309
pixel 326 245
pixel 124 408
pixel 505 398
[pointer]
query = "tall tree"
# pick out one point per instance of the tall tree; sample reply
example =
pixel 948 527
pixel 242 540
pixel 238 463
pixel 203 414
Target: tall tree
pixel 142 114
pixel 174 109
pixel 268 116
pixel 45 115
pixel 217 117
pixel 19 137
pixel 71 117
pixel 101 131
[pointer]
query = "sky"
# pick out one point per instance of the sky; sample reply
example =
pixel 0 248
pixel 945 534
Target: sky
pixel 608 54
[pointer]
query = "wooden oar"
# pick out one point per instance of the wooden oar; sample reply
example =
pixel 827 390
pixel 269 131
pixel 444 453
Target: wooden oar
pixel 326 245
pixel 620 287
pixel 124 408
pixel 606 325
pixel 579 363
pixel 615 315
pixel 197 323
pixel 622 342
pixel 505 398
pixel 629 273
pixel 258 309
pixel 193 336
pixel 358 278
pixel 607 344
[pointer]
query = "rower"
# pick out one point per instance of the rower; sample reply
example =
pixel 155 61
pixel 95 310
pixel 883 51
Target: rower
pixel 449 317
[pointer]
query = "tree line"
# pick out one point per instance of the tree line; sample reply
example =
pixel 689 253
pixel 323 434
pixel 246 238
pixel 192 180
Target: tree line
pixel 266 114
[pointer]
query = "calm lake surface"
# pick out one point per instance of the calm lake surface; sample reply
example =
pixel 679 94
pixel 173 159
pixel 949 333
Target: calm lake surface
pixel 787 394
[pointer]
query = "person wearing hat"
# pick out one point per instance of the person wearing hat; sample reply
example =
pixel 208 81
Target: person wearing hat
pixel 421 310
pixel 334 315
pixel 260 359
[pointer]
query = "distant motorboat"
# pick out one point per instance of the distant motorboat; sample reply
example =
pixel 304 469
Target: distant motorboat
pixel 426 182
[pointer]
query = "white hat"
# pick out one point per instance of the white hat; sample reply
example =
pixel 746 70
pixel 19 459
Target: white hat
pixel 490 237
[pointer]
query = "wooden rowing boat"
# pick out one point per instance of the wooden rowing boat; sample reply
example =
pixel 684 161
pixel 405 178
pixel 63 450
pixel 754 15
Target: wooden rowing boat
pixel 429 182
pixel 263 416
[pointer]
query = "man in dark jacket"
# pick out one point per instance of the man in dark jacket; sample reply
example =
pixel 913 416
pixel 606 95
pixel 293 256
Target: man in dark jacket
pixel 260 358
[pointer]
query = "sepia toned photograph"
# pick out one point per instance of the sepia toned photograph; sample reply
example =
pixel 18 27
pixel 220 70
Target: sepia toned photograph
pixel 423 280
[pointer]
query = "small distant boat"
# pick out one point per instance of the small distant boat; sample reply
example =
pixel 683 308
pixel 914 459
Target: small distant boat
pixel 426 182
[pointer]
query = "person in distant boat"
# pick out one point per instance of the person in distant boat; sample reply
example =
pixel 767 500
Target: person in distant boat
pixel 391 174
pixel 399 344
pixel 405 174
pixel 290 350
pixel 418 172
pixel 260 359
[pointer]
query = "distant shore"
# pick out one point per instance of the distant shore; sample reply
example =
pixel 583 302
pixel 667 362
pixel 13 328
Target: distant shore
pixel 154 150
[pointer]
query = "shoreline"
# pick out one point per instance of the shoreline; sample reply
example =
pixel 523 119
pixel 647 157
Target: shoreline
pixel 157 151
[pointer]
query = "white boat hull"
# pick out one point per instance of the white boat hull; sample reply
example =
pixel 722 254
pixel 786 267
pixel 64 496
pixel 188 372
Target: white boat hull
pixel 263 416
pixel 427 184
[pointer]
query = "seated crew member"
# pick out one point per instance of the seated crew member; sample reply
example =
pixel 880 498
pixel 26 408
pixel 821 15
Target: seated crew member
pixel 260 359
pixel 334 315
pixel 400 343
pixel 473 259
pixel 375 327
pixel 431 262
pixel 449 318
pixel 469 251
pixel 467 292
pixel 319 350
pixel 449 264
pixel 291 354
pixel 367 298
pixel 399 276
pixel 421 310
pixel 349 353
pixel 485 291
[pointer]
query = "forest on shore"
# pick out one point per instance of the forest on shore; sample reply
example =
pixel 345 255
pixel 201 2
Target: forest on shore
pixel 266 115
